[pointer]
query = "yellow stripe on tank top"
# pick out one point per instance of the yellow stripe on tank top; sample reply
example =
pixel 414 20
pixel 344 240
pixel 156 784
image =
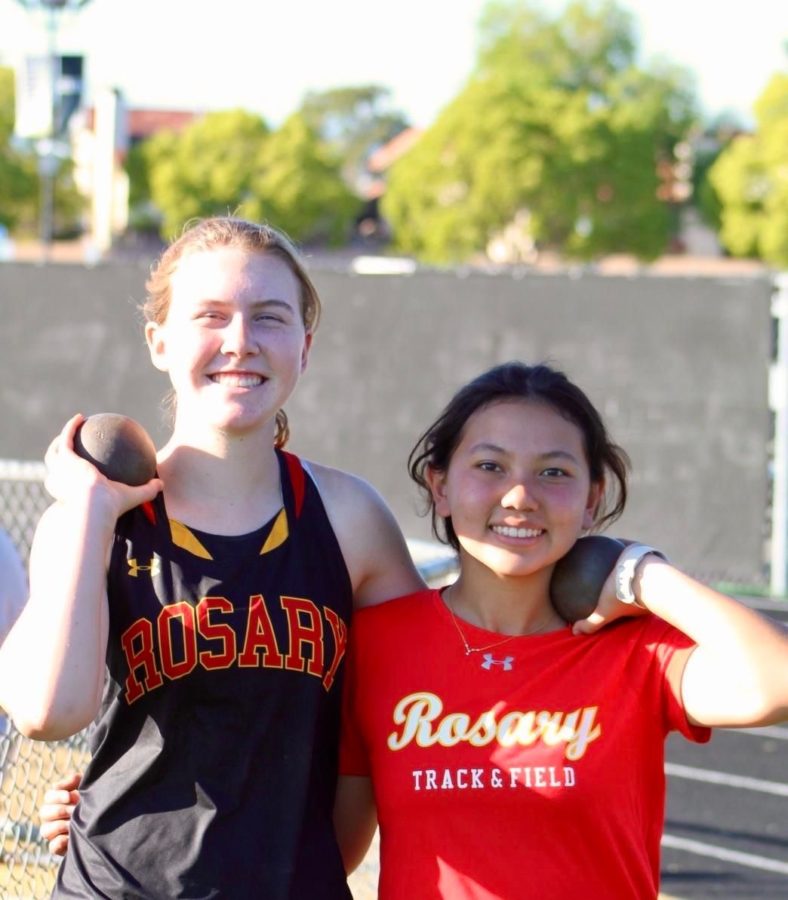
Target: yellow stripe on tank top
pixel 278 534
pixel 182 537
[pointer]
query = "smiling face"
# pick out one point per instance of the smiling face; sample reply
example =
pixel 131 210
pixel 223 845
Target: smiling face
pixel 517 487
pixel 233 342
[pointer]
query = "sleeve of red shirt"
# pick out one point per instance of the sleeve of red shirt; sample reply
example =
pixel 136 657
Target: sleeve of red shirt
pixel 667 642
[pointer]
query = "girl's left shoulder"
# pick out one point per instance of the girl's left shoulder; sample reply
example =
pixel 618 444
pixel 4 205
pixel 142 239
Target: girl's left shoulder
pixel 372 544
pixel 334 484
pixel 346 495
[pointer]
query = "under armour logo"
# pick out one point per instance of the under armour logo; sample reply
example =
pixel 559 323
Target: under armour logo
pixel 489 661
pixel 154 567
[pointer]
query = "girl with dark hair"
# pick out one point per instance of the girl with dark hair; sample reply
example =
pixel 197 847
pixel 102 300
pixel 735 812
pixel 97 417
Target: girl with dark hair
pixel 506 753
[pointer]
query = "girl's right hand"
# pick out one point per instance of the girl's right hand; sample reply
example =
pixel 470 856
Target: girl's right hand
pixel 71 479
pixel 56 812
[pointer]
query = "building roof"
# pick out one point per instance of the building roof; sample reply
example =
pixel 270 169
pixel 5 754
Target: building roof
pixel 390 152
pixel 142 123
pixel 145 122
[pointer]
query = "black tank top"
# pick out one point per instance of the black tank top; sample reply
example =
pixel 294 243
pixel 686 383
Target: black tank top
pixel 215 749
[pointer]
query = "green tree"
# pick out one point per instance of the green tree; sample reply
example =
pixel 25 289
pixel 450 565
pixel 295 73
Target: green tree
pixel 353 121
pixel 137 169
pixel 18 176
pixel 556 122
pixel 20 190
pixel 230 162
pixel 298 186
pixel 580 50
pixel 205 170
pixel 750 180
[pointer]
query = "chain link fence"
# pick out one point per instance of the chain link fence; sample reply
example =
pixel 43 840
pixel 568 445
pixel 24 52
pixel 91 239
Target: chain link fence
pixel 23 499
pixel 27 768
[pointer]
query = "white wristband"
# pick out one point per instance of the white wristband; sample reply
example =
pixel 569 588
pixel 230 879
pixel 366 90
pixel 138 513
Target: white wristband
pixel 626 569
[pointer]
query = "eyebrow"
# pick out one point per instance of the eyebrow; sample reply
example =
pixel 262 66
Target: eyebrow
pixel 484 446
pixel 255 304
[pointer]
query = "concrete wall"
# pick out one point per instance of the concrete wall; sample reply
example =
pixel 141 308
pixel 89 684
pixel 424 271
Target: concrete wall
pixel 678 366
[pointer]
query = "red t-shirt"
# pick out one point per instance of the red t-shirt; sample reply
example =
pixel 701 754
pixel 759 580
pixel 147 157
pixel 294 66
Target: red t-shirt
pixel 535 769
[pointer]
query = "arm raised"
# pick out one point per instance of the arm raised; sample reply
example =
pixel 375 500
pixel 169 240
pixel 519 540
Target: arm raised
pixel 52 662
pixel 737 675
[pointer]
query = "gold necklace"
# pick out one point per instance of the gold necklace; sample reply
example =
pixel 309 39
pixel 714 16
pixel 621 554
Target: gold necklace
pixel 468 648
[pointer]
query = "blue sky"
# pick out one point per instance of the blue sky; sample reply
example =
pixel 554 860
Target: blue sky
pixel 198 54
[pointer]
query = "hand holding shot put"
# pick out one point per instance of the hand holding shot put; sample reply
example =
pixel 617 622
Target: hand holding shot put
pixel 579 578
pixel 118 447
pixel 79 526
pixel 107 452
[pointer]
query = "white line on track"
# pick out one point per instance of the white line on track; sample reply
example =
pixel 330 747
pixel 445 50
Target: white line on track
pixel 734 856
pixel 738 781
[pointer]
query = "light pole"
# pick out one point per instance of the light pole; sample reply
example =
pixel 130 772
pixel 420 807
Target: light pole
pixel 45 146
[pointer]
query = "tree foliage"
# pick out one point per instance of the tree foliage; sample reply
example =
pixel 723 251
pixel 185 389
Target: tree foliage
pixel 205 170
pixel 750 178
pixel 18 176
pixel 20 189
pixel 352 121
pixel 298 187
pixel 557 122
pixel 229 162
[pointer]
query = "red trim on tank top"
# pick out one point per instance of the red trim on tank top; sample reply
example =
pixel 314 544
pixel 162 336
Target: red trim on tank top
pixel 150 512
pixel 297 480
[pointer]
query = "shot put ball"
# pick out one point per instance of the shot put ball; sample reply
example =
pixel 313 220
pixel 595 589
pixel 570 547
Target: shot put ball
pixel 118 447
pixel 578 577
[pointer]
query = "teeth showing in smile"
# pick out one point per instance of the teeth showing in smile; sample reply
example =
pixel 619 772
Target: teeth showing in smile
pixel 233 379
pixel 509 531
